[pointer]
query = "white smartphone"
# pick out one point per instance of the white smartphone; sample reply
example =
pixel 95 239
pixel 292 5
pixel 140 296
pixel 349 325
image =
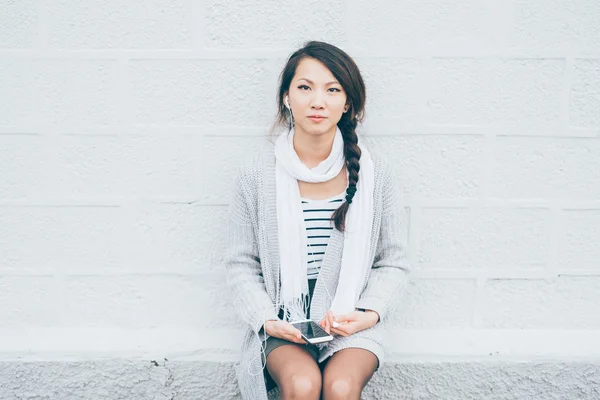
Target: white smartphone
pixel 312 332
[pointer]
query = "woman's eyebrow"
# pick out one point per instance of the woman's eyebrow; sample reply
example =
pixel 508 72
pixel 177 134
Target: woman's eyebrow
pixel 311 82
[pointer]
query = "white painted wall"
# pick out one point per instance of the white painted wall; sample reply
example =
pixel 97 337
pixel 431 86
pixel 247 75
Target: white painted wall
pixel 122 122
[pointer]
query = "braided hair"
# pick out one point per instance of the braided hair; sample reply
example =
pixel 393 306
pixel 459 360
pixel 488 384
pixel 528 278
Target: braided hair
pixel 352 155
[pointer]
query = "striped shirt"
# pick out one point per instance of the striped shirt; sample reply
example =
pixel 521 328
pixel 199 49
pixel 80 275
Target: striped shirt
pixel 317 220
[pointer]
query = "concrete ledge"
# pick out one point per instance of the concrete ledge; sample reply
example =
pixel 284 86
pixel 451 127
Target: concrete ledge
pixel 182 364
pixel 197 379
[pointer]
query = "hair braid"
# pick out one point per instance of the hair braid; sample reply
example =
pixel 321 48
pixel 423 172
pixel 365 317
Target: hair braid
pixel 352 155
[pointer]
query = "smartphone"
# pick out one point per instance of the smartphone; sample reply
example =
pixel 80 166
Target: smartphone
pixel 311 331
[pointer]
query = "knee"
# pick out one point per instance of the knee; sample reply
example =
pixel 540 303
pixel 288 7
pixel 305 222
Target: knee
pixel 302 386
pixel 341 388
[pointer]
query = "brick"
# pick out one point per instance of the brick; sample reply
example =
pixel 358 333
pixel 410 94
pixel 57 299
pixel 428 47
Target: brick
pixel 435 166
pixel 191 92
pixel 482 238
pixel 176 238
pixel 55 91
pixel 563 303
pixel 117 24
pixel 18 23
pixel 133 165
pixel 435 304
pixel 546 168
pixel 556 24
pixel 267 24
pixel 508 92
pixel 148 301
pixel 55 238
pixel 585 94
pixel 18 101
pixel 416 23
pixel 27 301
pixel 579 235
pixel 136 238
pixel 79 92
pixel 26 167
pixel 223 156
pixel 394 86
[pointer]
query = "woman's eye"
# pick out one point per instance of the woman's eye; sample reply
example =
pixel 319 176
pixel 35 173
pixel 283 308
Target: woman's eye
pixel 304 86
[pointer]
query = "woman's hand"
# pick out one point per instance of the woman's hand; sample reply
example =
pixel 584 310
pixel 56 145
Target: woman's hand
pixel 283 330
pixel 327 322
pixel 348 324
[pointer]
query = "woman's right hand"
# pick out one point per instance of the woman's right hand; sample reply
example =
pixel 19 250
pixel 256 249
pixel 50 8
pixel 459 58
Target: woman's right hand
pixel 283 330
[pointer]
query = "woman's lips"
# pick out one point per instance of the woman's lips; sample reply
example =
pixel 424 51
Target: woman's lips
pixel 317 119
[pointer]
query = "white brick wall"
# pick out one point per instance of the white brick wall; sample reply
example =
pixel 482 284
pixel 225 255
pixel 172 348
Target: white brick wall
pixel 121 124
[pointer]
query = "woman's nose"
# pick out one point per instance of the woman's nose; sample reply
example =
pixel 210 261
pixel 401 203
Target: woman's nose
pixel 318 100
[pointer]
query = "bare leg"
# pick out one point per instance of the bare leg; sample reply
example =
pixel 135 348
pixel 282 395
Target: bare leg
pixel 347 373
pixel 295 372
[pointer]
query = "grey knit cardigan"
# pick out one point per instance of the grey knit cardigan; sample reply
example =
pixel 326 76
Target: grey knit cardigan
pixel 252 265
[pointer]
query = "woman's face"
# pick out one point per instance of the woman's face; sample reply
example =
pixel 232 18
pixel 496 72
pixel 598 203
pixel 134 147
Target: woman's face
pixel 315 91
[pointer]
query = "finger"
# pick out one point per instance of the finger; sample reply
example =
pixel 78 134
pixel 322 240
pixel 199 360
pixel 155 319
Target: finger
pixel 291 338
pixel 334 321
pixel 330 318
pixel 295 339
pixel 338 332
pixel 347 329
pixel 300 339
pixel 344 317
pixel 295 336
pixel 326 324
pixel 347 332
pixel 291 331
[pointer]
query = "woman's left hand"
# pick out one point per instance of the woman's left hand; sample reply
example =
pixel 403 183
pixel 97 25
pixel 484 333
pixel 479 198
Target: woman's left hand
pixel 356 321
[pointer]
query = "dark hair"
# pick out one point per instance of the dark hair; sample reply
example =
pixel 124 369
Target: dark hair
pixel 345 70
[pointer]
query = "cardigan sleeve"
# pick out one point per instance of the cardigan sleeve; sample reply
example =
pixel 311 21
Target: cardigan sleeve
pixel 390 271
pixel 242 263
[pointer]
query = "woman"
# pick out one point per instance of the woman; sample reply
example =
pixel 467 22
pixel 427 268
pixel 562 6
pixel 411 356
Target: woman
pixel 315 231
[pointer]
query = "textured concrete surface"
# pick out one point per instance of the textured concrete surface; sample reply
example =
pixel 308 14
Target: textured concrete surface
pixel 177 364
pixel 162 379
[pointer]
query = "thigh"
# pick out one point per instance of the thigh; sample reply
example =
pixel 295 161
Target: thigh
pixel 294 370
pixel 354 366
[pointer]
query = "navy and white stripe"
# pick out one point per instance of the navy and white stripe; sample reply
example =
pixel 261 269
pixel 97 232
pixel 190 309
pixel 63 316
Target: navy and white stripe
pixel 317 220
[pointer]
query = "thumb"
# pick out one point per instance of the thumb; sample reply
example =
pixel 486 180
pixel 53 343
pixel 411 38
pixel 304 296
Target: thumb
pixel 296 332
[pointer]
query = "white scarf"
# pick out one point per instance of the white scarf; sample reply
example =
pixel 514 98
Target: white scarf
pixel 292 233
